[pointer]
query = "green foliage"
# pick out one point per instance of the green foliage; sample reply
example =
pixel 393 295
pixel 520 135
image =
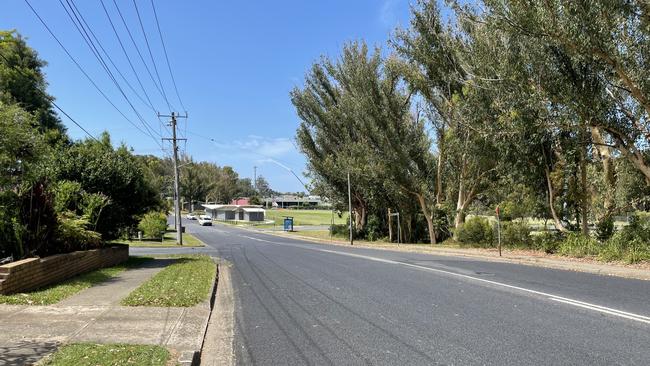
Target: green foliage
pixel 153 224
pixel 22 81
pixel 115 173
pixel 605 228
pixel 73 233
pixel 373 228
pixel 516 234
pixel 578 245
pixel 547 241
pixel 340 230
pixel 476 231
pixel 631 244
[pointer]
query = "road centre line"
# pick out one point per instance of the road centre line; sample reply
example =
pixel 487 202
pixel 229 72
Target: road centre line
pixel 561 299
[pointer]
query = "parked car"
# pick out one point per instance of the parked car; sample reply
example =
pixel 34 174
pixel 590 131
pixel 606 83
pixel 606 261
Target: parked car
pixel 205 220
pixel 191 216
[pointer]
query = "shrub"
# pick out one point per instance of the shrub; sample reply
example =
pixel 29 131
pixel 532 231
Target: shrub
pixel 476 231
pixel 631 244
pixel 547 241
pixel 516 234
pixel 341 230
pixel 605 228
pixel 153 224
pixel 578 245
pixel 373 228
pixel 72 233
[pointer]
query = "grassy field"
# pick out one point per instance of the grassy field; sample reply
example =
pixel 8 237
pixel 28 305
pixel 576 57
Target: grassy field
pixel 85 354
pixel 184 283
pixel 55 293
pixel 169 241
pixel 305 217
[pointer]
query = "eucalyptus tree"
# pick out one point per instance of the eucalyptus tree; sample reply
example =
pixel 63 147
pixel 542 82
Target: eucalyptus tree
pixel 613 39
pixel 439 69
pixel 356 117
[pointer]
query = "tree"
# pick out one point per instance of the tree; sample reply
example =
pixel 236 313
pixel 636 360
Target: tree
pixel 115 173
pixel 22 81
pixel 439 68
pixel 263 187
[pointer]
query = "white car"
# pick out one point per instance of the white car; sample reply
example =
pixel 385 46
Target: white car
pixel 205 220
pixel 190 216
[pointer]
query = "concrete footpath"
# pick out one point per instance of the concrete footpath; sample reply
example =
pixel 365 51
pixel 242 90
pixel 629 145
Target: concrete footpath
pixel 28 333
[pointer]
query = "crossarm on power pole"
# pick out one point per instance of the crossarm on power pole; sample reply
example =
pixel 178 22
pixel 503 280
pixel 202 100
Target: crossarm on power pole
pixel 177 199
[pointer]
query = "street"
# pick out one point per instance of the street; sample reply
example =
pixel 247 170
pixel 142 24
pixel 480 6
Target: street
pixel 300 303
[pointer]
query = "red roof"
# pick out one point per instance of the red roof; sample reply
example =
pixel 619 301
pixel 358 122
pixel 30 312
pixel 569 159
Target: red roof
pixel 241 201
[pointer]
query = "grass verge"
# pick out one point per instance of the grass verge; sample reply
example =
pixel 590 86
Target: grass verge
pixel 54 293
pixel 85 354
pixel 305 217
pixel 169 241
pixel 184 283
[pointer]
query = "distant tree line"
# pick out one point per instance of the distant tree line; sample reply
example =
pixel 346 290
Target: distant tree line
pixel 202 181
pixel 541 108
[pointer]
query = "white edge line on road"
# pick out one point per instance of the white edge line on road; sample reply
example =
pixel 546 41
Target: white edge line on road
pixel 564 300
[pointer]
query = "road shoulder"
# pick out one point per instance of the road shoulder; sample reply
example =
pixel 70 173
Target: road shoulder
pixel 509 256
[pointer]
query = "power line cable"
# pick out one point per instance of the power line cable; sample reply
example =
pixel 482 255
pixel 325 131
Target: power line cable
pixel 117 69
pixel 146 40
pixel 81 68
pixel 167 57
pixel 148 104
pixel 126 54
pixel 82 31
pixel 135 45
pixel 48 97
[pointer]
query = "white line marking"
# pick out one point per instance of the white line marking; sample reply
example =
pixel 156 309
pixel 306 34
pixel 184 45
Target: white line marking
pixel 564 300
pixel 262 240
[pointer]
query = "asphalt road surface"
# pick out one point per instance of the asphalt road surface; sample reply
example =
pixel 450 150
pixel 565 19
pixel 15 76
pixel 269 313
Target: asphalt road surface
pixel 300 303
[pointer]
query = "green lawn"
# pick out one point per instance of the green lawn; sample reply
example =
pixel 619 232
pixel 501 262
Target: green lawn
pixel 85 354
pixel 169 241
pixel 305 217
pixel 54 293
pixel 184 283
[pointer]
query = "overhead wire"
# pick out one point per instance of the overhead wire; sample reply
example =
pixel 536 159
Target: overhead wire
pixel 51 101
pixel 153 61
pixel 110 59
pixel 126 54
pixel 155 13
pixel 137 49
pixel 87 38
pixel 83 71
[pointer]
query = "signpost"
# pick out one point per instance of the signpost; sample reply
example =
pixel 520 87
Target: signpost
pixel 498 230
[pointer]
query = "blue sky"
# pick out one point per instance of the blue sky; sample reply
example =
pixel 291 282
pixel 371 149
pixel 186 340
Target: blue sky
pixel 234 62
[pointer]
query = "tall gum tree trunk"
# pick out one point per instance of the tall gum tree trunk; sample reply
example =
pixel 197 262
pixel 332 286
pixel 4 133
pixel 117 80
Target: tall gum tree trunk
pixel 584 191
pixel 459 219
pixel 605 154
pixel 439 165
pixel 428 217
pixel 551 203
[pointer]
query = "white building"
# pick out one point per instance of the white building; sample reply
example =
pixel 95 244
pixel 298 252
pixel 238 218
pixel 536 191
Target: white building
pixel 235 212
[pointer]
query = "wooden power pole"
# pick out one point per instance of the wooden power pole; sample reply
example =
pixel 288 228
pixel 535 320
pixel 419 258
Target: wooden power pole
pixel 177 196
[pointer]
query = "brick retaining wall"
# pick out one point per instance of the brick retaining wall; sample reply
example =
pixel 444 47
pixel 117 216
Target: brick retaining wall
pixel 32 273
